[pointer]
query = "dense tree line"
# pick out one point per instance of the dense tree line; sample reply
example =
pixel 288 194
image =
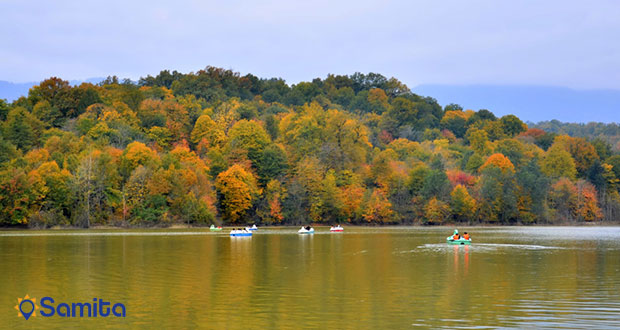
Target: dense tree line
pixel 598 133
pixel 217 147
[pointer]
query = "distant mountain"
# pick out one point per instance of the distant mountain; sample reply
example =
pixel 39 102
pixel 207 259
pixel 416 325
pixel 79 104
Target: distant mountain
pixel 531 103
pixel 12 91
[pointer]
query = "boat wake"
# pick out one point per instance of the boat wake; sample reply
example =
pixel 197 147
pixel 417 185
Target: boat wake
pixel 476 247
pixel 521 246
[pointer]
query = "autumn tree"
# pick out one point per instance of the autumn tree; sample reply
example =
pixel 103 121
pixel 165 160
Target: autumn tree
pixel 19 195
pixel 237 189
pixel 345 141
pixel 462 205
pixel 376 208
pixel 456 122
pixel 136 154
pixel 574 201
pixel 498 196
pixel 583 153
pixel 207 133
pixel 500 161
pixel 58 197
pixel 271 164
pixel 436 211
pixel 532 190
pixel 270 211
pixel 4 109
pixel 587 206
pixel 22 128
pixel 563 199
pixel 479 140
pixel 558 163
pixel 512 125
pixel 250 137
pixel 49 115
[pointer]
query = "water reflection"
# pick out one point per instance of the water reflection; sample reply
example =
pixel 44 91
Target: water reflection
pixel 363 278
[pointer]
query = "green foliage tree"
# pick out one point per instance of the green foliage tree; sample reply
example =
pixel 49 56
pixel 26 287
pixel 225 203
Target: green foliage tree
pixel 558 163
pixel 4 109
pixel 271 164
pixel 22 128
pixel 512 125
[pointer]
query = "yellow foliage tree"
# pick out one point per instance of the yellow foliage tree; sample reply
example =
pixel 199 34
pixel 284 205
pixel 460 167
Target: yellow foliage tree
pixel 462 205
pixel 137 153
pixel 558 163
pixel 479 140
pixel 436 211
pixel 208 131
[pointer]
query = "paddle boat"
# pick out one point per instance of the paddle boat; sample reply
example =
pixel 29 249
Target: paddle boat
pixel 306 230
pixel 251 228
pixel 213 228
pixel 240 233
pixel 336 229
pixel 459 241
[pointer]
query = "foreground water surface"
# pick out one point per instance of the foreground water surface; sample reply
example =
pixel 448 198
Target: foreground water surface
pixel 396 277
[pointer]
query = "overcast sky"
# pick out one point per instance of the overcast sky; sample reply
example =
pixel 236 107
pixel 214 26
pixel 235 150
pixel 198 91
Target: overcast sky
pixel 561 43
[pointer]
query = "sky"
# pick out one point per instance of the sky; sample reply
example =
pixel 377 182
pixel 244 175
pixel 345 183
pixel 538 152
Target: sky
pixel 572 44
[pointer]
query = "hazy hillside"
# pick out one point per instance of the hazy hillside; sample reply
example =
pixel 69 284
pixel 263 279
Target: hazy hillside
pixel 12 91
pixel 532 103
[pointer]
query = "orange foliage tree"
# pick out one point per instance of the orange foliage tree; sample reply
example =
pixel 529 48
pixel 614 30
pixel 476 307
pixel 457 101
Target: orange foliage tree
pixel 377 208
pixel 500 161
pixel 238 190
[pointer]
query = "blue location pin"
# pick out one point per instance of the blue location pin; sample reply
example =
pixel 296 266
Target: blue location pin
pixel 26 314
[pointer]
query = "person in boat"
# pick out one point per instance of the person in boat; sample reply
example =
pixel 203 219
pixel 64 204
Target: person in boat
pixel 466 236
pixel 307 227
pixel 456 235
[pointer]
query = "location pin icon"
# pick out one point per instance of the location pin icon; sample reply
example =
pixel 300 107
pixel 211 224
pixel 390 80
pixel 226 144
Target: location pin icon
pixel 21 308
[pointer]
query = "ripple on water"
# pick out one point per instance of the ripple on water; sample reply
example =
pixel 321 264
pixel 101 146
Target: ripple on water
pixel 478 247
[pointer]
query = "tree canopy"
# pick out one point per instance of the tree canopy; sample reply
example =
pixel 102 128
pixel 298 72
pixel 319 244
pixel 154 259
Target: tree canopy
pixel 215 146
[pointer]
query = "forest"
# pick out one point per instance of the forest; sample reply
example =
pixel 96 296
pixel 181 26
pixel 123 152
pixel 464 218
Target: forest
pixel 214 146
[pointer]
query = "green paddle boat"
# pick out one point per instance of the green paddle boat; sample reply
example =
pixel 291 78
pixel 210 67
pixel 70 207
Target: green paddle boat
pixel 460 241
pixel 213 228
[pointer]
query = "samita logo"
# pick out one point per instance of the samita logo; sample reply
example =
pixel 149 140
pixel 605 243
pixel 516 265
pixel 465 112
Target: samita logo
pixel 27 307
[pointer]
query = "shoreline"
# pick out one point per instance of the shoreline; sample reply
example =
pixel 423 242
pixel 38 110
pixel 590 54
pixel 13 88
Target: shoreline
pixel 319 225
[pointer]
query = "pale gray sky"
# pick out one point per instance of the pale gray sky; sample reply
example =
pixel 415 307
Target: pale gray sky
pixel 562 43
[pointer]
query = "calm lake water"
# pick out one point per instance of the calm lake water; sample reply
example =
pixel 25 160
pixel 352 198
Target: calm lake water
pixel 396 277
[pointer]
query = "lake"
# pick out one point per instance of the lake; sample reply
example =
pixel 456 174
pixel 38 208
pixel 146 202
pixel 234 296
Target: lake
pixel 388 277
